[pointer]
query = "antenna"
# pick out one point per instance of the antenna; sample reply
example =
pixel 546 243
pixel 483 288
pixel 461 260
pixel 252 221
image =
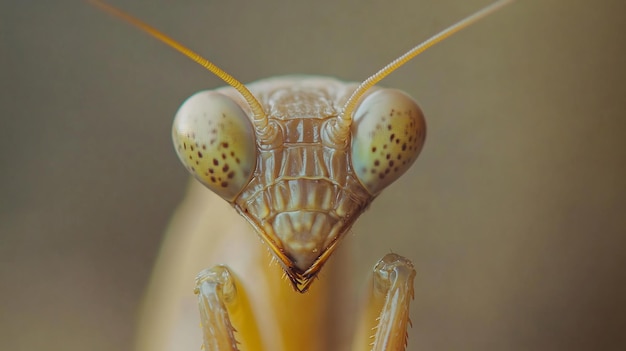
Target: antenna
pixel 340 129
pixel 260 120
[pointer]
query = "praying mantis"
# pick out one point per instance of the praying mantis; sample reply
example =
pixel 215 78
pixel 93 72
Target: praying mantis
pixel 299 158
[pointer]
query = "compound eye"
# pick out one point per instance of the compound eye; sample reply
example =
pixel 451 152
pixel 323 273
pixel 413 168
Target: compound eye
pixel 388 133
pixel 215 140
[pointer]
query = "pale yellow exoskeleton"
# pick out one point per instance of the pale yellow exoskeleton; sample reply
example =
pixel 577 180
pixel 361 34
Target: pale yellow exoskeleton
pixel 300 158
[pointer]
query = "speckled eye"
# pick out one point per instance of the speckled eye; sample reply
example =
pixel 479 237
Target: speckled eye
pixel 388 132
pixel 215 140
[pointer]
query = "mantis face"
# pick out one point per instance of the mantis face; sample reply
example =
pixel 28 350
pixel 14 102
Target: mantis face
pixel 300 158
pixel 301 187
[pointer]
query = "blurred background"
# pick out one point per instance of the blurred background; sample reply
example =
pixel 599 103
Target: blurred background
pixel 514 214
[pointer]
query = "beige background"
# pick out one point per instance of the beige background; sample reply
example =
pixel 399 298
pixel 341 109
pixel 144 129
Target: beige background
pixel 514 214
